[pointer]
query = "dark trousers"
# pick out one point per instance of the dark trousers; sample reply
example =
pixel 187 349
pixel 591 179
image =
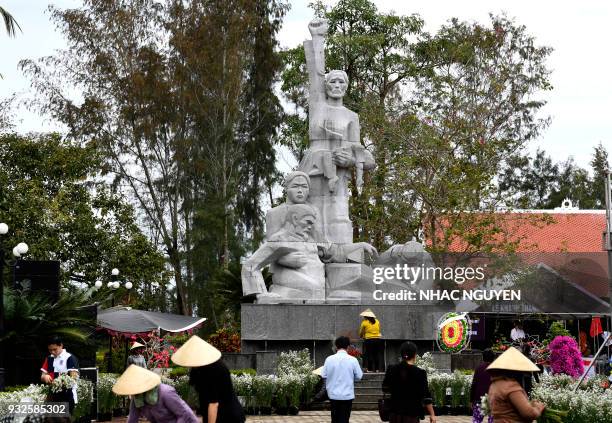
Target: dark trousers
pixel 398 418
pixel 373 355
pixel 341 410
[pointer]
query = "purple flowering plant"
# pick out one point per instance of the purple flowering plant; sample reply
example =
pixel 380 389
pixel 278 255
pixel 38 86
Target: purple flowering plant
pixel 565 356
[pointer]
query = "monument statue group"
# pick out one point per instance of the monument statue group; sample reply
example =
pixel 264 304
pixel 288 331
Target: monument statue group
pixel 309 239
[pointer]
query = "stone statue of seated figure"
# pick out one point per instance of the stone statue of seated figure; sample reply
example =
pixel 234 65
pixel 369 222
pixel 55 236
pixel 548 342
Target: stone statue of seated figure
pixel 295 260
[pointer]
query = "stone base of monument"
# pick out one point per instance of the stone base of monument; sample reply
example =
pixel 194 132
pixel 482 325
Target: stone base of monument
pixel 284 327
pixel 348 283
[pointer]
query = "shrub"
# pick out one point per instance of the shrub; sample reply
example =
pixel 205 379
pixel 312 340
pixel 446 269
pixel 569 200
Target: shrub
pixel 239 372
pixel 107 400
pixel 226 340
pixel 177 372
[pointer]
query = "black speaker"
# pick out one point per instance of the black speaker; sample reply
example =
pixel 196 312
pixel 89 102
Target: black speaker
pixel 41 276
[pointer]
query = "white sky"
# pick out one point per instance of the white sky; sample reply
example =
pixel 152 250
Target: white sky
pixel 579 32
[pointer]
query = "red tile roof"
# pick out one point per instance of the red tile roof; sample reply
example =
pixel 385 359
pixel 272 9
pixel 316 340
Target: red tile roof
pixel 566 232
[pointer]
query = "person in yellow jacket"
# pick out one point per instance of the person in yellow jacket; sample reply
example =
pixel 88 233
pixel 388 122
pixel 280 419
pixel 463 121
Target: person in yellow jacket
pixel 369 331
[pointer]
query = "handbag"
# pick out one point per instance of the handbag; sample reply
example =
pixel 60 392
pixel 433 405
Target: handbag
pixel 384 408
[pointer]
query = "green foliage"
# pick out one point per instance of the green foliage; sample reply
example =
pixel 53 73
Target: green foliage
pixel 107 400
pixel 178 371
pixel 557 328
pixel 179 99
pixel 14 388
pixel 538 183
pixel 31 318
pixel 238 372
pixel 49 199
pixel 85 396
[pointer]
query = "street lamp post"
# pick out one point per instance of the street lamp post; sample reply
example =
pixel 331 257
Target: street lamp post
pixel 113 285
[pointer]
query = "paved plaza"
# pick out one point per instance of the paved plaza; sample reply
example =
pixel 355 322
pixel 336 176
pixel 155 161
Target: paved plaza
pixel 356 417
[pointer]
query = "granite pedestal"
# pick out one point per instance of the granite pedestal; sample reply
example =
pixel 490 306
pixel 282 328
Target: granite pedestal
pixel 284 327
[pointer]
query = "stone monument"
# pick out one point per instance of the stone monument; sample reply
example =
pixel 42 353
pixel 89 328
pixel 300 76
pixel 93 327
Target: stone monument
pixel 303 244
pixel 320 278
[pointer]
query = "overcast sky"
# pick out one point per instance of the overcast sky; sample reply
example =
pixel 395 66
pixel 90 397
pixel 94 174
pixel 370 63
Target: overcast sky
pixel 580 33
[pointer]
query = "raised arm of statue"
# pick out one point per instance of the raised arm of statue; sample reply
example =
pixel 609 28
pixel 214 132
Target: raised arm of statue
pixel 315 63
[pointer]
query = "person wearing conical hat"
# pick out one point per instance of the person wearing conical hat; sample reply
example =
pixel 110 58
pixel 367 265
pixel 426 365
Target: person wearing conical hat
pixel 369 331
pixel 151 399
pixel 212 381
pixel 508 400
pixel 136 355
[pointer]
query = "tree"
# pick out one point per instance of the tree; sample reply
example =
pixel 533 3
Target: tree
pixel 601 167
pixel 530 182
pixel 10 24
pixel 50 199
pixel 184 130
pixel 31 319
pixel 442 115
pixel 538 183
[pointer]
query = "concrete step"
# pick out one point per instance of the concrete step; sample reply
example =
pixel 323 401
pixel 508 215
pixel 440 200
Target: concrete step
pixel 367 398
pixel 368 390
pixel 369 384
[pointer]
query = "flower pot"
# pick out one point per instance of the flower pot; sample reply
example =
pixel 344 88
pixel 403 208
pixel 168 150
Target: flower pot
pixel 265 411
pixel 293 410
pixel 281 411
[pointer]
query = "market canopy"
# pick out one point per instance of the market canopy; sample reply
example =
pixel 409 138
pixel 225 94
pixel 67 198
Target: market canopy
pixel 126 320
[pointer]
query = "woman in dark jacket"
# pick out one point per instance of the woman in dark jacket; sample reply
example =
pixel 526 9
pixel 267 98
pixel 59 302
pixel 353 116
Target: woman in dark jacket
pixel 408 387
pixel 211 380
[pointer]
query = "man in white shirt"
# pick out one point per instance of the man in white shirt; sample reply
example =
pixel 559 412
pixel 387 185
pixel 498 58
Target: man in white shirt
pixel 517 333
pixel 340 372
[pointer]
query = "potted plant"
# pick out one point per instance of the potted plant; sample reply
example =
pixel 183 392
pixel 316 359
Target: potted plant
pixel 107 400
pixel 263 393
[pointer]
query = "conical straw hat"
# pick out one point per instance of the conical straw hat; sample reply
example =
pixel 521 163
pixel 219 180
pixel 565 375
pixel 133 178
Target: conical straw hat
pixel 136 380
pixel 136 345
pixel 195 353
pixel 318 371
pixel 513 359
pixel 368 313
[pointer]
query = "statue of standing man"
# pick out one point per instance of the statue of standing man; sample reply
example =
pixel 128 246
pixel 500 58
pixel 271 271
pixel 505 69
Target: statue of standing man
pixel 335 146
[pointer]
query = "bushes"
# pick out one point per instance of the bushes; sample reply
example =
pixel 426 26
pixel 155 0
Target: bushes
pixel 107 400
pixel 226 340
pixel 592 403
pixel 293 384
pixel 38 393
pixel 457 384
pixel 239 372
